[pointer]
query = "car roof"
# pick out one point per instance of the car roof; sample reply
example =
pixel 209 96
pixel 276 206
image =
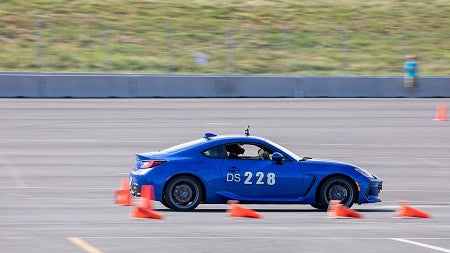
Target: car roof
pixel 236 137
pixel 211 140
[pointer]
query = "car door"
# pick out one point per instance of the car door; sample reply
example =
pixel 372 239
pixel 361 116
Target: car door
pixel 251 176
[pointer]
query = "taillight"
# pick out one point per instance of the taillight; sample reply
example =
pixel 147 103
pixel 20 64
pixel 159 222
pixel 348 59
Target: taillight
pixel 150 164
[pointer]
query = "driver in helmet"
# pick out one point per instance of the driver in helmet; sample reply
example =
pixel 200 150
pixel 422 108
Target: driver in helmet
pixel 234 150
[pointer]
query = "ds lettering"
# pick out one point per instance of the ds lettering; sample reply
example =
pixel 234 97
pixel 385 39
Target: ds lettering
pixel 249 179
pixel 233 177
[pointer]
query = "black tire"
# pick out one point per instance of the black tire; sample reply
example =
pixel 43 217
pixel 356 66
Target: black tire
pixel 337 188
pixel 164 202
pixel 183 193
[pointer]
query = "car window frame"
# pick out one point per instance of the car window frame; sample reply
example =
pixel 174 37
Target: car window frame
pixel 274 148
pixel 214 157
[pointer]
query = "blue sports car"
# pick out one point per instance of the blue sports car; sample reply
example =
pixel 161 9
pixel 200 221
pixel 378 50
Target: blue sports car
pixel 215 169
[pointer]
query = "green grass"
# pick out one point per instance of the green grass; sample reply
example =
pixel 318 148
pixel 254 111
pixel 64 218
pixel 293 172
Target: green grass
pixel 308 37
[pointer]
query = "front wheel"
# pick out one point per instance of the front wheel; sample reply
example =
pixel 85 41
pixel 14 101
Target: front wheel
pixel 317 206
pixel 337 188
pixel 183 193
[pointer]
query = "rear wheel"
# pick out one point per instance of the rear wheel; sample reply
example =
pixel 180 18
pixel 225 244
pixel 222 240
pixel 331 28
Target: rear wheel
pixel 164 202
pixel 337 188
pixel 183 193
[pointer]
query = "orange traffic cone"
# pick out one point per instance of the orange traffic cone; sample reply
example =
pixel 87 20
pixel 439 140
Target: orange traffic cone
pixel 145 210
pixel 148 213
pixel 441 113
pixel 407 211
pixel 237 210
pixel 123 196
pixel 336 209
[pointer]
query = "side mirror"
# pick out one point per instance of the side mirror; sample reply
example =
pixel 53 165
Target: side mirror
pixel 278 158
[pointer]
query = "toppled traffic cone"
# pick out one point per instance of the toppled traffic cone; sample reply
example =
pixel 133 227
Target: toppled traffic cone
pixel 336 209
pixel 441 113
pixel 123 196
pixel 237 210
pixel 140 212
pixel 407 211
pixel 145 210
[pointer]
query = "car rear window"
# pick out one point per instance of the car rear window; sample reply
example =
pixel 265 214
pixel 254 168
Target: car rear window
pixel 183 146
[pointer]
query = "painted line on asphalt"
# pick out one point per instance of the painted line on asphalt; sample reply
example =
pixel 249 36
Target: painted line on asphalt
pixel 83 245
pixel 13 238
pixel 428 246
pixel 106 188
pixel 172 141
pixel 254 237
pixel 84 141
pixel 57 188
pixel 414 190
pixel 371 145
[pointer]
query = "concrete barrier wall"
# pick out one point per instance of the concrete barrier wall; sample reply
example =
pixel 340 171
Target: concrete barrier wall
pixel 78 85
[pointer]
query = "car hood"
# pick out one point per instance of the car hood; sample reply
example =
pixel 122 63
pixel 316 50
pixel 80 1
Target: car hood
pixel 320 161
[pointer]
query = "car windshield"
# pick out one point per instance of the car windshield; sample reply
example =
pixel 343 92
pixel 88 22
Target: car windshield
pixel 183 146
pixel 285 150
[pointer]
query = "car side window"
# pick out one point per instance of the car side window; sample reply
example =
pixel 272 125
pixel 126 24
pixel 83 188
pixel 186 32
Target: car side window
pixel 248 151
pixel 215 152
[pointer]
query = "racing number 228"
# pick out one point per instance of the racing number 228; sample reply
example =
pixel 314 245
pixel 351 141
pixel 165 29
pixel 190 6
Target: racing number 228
pixel 270 180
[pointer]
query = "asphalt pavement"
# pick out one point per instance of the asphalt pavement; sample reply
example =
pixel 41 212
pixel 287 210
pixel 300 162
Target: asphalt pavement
pixel 62 159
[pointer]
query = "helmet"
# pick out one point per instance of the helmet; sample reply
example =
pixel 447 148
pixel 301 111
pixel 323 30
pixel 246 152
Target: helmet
pixel 235 149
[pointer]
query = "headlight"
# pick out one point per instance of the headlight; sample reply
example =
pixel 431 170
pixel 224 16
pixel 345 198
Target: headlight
pixel 364 172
